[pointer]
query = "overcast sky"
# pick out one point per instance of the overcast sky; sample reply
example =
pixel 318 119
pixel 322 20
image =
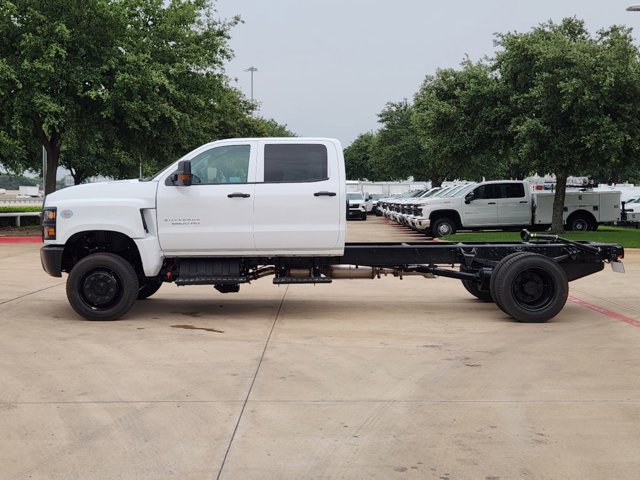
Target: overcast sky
pixel 327 67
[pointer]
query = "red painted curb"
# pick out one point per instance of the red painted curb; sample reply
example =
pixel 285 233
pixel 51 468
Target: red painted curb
pixel 20 240
pixel 623 318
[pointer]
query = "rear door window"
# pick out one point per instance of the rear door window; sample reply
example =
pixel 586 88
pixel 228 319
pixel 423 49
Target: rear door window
pixel 294 163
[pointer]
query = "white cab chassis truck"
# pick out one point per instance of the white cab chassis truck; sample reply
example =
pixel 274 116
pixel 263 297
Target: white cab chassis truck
pixel 235 211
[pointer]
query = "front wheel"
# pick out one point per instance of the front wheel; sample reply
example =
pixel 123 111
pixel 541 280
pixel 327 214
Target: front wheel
pixel 102 286
pixel 443 227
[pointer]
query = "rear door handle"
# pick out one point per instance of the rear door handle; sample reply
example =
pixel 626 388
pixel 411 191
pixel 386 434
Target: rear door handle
pixel 524 202
pixel 491 203
pixel 324 194
pixel 238 195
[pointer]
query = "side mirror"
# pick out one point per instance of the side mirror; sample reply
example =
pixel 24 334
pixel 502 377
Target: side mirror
pixel 469 197
pixel 182 177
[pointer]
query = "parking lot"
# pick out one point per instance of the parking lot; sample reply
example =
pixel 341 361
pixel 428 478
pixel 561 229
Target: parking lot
pixel 359 379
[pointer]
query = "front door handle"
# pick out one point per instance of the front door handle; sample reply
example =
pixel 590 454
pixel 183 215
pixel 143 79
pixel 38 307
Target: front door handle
pixel 491 203
pixel 324 194
pixel 238 195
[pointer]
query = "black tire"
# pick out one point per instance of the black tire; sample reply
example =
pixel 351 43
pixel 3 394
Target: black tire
pixel 364 216
pixel 579 222
pixel 494 275
pixel 147 286
pixel 102 286
pixel 531 288
pixel 473 288
pixel 443 227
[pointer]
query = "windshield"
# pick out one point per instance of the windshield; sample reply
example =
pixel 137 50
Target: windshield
pixel 443 192
pixel 355 196
pixel 464 190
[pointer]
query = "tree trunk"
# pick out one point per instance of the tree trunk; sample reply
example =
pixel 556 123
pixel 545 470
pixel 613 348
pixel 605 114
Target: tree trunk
pixel 52 146
pixel 52 167
pixel 436 181
pixel 557 221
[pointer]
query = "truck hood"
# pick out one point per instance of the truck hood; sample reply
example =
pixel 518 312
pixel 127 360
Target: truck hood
pixel 438 201
pixel 143 193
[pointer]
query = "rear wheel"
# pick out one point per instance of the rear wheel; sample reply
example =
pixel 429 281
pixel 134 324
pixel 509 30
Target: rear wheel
pixel 579 222
pixel 531 288
pixel 494 275
pixel 102 286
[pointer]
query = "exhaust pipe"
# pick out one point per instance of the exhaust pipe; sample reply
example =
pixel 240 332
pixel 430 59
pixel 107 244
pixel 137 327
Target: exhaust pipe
pixel 356 272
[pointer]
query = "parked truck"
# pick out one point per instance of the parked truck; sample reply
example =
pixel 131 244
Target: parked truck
pixel 234 211
pixel 508 205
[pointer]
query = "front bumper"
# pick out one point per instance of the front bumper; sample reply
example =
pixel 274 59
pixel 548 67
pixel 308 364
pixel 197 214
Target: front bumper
pixel 422 223
pixel 51 259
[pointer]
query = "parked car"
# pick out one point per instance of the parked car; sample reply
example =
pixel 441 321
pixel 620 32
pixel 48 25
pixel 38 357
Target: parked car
pixel 373 198
pixel 356 206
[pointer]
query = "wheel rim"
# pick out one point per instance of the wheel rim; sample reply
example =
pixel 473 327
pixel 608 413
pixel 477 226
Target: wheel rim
pixel 101 288
pixel 444 229
pixel 533 289
pixel 580 225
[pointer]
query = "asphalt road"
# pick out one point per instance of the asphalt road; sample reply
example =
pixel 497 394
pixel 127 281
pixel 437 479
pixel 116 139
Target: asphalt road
pixel 384 379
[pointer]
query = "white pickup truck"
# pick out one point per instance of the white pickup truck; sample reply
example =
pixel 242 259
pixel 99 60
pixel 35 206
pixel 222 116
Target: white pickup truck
pixel 234 211
pixel 508 205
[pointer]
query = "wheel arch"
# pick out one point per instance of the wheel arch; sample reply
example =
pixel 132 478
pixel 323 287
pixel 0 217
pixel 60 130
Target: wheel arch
pixel 586 214
pixel 452 214
pixel 88 242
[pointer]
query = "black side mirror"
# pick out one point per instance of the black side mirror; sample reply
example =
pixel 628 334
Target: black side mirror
pixel 182 177
pixel 469 197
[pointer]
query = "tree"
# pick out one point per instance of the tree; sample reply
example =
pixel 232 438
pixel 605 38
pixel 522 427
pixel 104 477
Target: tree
pixel 396 153
pixel 357 158
pixel 573 99
pixel 110 83
pixel 459 116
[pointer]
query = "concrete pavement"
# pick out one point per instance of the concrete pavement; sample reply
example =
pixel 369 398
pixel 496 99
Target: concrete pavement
pixel 384 379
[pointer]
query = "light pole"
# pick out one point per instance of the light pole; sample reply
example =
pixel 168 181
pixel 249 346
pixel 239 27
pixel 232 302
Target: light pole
pixel 252 70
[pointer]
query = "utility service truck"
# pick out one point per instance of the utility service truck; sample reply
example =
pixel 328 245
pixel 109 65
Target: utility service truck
pixel 234 211
pixel 503 205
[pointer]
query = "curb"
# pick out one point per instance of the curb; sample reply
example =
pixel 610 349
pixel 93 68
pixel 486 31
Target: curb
pixel 20 240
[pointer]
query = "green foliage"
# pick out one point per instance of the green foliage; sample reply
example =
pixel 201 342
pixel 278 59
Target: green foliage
pixel 555 100
pixel 574 100
pixel 10 182
pixel 396 153
pixel 460 117
pixel 107 85
pixel 357 158
pixel 14 209
pixel 627 237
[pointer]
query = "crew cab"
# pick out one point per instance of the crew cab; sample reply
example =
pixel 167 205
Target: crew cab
pixel 234 211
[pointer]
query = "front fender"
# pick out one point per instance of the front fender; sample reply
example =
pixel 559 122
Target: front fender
pixel 121 215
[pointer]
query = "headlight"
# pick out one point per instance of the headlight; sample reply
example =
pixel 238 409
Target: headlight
pixel 49 217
